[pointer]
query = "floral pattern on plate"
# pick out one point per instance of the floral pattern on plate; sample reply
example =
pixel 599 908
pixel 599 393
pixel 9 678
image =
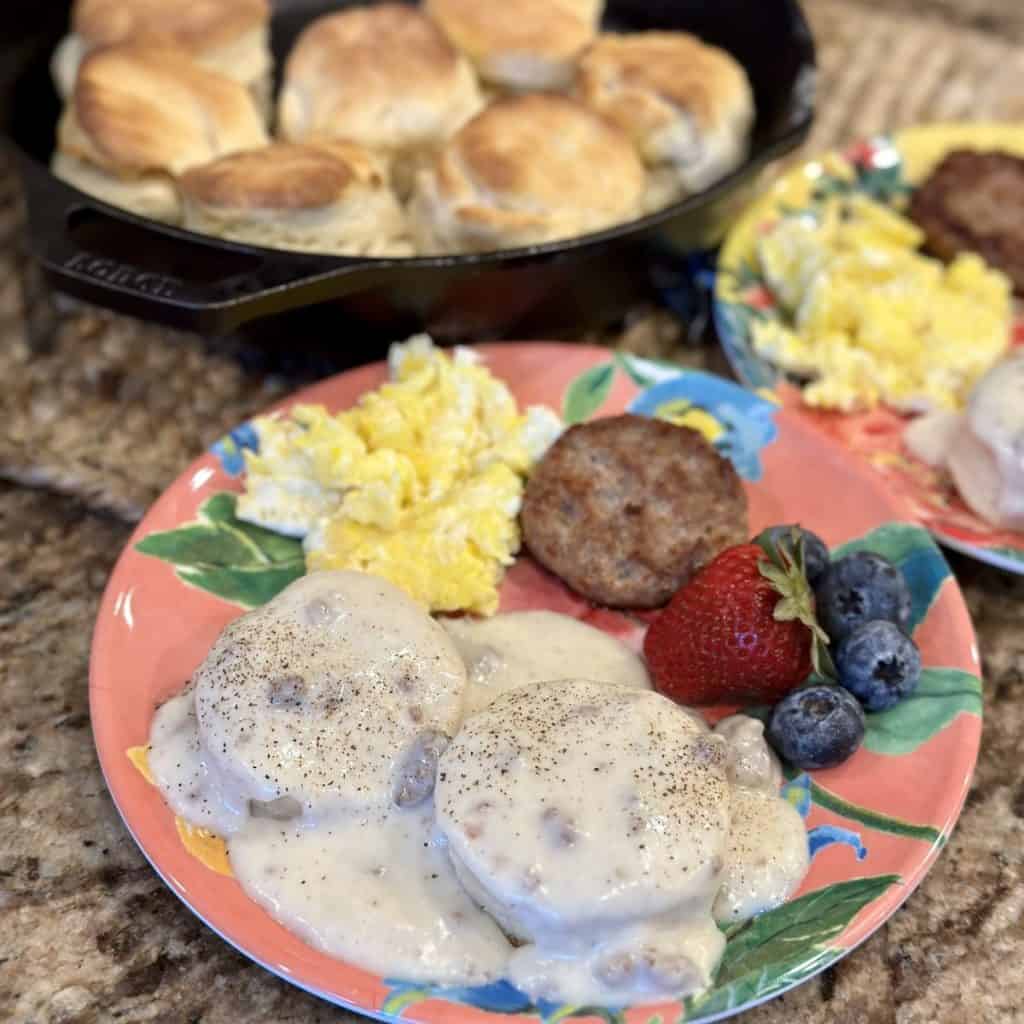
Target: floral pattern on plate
pixel 874 824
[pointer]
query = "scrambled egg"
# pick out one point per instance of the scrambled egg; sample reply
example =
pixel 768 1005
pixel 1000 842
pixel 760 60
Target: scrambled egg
pixel 873 320
pixel 420 483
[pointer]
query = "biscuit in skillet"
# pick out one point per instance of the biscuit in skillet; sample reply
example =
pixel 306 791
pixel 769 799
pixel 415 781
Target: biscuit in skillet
pixel 383 76
pixel 521 45
pixel 626 509
pixel 142 114
pixel 687 105
pixel 330 197
pixel 526 170
pixel 230 37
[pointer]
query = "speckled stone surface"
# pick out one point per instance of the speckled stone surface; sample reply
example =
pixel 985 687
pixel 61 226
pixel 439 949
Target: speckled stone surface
pixel 88 933
pixel 99 413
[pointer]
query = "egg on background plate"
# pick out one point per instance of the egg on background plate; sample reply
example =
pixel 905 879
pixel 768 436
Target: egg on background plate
pixel 870 319
pixel 420 483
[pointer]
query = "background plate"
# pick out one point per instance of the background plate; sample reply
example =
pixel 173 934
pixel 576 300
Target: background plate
pixel 887 169
pixel 874 824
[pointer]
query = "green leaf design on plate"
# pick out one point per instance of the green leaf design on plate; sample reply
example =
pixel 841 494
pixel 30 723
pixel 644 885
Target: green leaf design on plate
pixel 587 393
pixel 942 694
pixel 759 984
pixel 236 561
pixel 570 1012
pixel 812 920
pixel 220 508
pixel 249 588
pixel 872 819
pixel 273 547
pixel 198 545
pixel 785 945
pixel 917 556
pixel 635 371
pixel 883 184
pixel 646 373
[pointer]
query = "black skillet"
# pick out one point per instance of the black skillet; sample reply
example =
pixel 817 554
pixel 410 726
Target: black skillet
pixel 104 255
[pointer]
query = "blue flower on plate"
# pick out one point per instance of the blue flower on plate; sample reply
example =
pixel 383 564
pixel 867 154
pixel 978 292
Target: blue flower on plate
pixel 828 835
pixel 498 997
pixel 737 422
pixel 798 793
pixel 229 448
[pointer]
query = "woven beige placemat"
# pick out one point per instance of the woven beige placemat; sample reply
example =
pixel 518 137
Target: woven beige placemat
pixel 115 409
pixel 882 69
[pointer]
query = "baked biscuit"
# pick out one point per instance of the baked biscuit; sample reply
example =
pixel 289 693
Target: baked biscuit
pixel 520 45
pixel 527 169
pixel 328 198
pixel 230 37
pixel 142 114
pixel 687 106
pixel 626 509
pixel 382 76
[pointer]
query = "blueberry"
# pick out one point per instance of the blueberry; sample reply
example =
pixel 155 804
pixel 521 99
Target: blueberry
pixel 815 551
pixel 860 588
pixel 879 664
pixel 816 726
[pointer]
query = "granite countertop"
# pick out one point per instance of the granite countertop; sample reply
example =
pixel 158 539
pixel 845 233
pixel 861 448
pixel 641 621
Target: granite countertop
pixel 99 413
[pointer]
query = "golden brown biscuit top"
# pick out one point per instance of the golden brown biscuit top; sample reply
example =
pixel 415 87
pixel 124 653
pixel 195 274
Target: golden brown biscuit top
pixel 145 106
pixel 283 176
pixel 551 28
pixel 196 25
pixel 358 48
pixel 544 150
pixel 620 75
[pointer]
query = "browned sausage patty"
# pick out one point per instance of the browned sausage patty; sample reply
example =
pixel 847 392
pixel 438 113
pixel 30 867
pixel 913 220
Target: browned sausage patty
pixel 626 509
pixel 974 202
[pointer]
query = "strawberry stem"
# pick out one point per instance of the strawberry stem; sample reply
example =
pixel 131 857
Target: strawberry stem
pixel 785 569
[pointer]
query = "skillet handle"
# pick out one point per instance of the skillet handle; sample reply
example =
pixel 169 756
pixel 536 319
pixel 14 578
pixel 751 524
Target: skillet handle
pixel 156 272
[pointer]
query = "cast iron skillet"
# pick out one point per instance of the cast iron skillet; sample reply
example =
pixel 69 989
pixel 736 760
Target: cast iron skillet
pixel 133 265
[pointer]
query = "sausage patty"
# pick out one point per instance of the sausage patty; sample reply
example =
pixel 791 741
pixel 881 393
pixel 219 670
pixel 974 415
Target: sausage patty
pixel 626 509
pixel 974 202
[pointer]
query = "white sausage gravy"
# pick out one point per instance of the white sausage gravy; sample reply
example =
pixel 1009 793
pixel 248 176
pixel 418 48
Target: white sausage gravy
pixel 455 820
pixel 511 650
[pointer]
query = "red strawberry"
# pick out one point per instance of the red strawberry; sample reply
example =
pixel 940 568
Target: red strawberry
pixel 742 631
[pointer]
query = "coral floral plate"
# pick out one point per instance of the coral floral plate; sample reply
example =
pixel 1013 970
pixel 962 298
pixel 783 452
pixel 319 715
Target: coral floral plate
pixel 887 169
pixel 874 825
